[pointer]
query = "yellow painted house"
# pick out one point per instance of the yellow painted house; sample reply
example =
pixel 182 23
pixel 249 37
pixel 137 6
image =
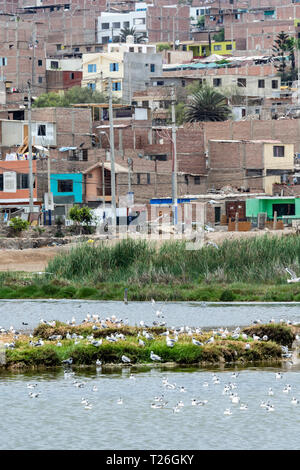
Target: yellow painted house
pixel 201 48
pixel 98 67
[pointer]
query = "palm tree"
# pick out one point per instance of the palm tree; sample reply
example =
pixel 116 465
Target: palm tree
pixel 130 32
pixel 207 104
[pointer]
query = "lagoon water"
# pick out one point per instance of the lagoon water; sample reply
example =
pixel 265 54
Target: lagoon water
pixel 58 420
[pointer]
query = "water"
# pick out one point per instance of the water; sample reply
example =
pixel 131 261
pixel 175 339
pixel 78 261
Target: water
pixel 58 420
pixel 15 312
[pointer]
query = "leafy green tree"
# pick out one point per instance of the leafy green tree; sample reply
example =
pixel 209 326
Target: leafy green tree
pixel 201 21
pixel 81 216
pixel 163 47
pixel 207 104
pixel 74 95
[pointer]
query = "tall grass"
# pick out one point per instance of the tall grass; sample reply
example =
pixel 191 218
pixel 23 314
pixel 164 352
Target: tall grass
pixel 255 260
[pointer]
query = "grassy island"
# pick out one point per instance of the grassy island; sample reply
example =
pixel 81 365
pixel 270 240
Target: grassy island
pixel 56 345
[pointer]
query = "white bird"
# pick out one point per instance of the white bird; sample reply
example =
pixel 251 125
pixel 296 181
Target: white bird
pixel 142 343
pixel 95 389
pixel 270 407
pixel 126 359
pixel 294 278
pixel 196 342
pixel 154 357
pixel 88 406
pixel 244 406
pixel 120 401
pixel 228 411
pixel 278 375
pixel 294 401
pixel 270 393
pixel 31 385
pixel 98 363
pixel 33 395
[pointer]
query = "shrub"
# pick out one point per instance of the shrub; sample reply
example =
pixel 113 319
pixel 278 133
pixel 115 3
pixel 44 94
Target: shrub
pixel 227 296
pixel 17 225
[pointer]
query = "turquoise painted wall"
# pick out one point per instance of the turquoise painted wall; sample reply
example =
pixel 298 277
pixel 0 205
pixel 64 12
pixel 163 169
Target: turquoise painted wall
pixel 254 206
pixel 77 185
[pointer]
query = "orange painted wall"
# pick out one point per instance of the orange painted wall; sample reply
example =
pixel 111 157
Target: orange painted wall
pixel 19 166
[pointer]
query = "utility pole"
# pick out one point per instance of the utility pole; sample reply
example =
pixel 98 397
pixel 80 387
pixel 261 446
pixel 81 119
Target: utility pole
pixel 49 187
pixel 112 156
pixel 174 160
pixel 103 186
pixel 30 151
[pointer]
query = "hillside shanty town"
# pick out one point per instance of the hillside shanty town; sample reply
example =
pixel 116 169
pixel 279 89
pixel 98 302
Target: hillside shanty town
pixel 140 110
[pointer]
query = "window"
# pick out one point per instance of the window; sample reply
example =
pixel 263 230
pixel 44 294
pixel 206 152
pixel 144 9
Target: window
pixel 65 186
pixel 183 83
pixel 139 21
pixel 92 68
pixel 92 86
pixel 278 151
pixel 261 84
pixel 126 24
pixel 218 48
pixel 159 158
pixel 22 181
pixel 145 104
pixel 40 62
pixel 160 83
pixel 131 49
pixel 58 47
pixel 148 178
pixel 116 25
pixel 88 49
pixel 41 130
pixel 138 178
pixel 241 82
pixel 116 86
pixel 72 75
pixel 105 25
pixel 274 84
pixel 1 182
pixel 228 47
pixel 140 49
pixel 105 40
pixel 152 67
pixel 40 79
pixel 196 179
pixel 114 67
pixel 217 82
pixel 67 7
pixel 54 64
pixel 75 49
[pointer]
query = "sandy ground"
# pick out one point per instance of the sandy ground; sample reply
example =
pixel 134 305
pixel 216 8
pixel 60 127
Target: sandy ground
pixel 36 259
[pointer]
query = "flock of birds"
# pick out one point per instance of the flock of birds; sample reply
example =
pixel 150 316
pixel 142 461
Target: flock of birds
pixel 230 390
pixel 171 335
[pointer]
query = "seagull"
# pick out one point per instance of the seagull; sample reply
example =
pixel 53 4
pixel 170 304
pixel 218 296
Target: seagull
pixel 196 342
pixel 278 375
pixel 126 359
pixel 270 393
pixel 228 411
pixel 68 362
pixel 98 363
pixel 142 343
pixel 88 406
pixel 31 385
pixel 154 357
pixel 95 389
pixel 294 278
pixel 33 395
pixel 120 401
pixel 294 401
pixel 244 406
pixel 97 343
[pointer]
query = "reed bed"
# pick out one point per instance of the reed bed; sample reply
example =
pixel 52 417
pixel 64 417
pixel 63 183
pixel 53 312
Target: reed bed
pixel 260 259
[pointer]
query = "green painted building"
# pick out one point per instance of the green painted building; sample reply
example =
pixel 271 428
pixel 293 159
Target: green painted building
pixel 286 207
